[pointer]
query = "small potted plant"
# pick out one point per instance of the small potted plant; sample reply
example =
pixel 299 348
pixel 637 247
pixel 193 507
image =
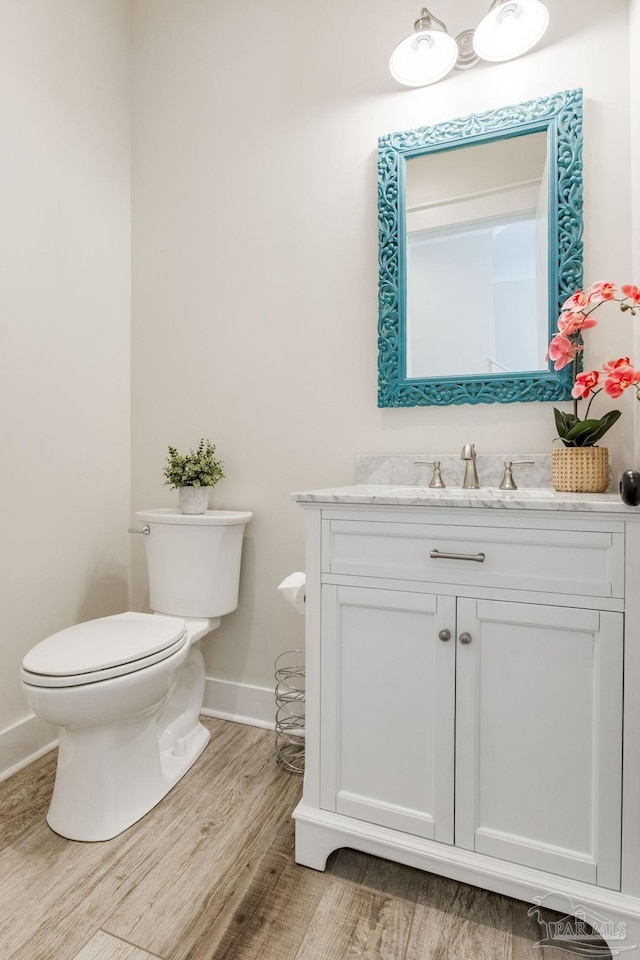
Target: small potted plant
pixel 192 475
pixel 581 466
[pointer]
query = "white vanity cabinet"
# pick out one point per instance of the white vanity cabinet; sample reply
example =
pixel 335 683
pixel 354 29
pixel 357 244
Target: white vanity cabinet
pixel 388 708
pixel 539 737
pixel 519 729
pixel 465 704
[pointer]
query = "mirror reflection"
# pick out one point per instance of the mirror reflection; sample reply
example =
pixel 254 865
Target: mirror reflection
pixel 477 299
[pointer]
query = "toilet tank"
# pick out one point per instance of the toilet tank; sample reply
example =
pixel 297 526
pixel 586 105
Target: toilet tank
pixel 194 561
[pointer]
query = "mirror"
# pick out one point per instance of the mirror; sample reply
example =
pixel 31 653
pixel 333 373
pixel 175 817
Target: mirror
pixel 477 219
pixel 480 225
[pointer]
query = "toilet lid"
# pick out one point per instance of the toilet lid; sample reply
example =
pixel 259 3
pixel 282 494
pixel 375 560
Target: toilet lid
pixel 103 648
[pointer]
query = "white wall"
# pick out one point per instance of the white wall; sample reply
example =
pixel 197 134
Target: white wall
pixel 634 112
pixel 64 323
pixel 255 253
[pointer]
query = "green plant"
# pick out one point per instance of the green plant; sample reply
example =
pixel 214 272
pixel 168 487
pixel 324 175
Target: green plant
pixel 198 468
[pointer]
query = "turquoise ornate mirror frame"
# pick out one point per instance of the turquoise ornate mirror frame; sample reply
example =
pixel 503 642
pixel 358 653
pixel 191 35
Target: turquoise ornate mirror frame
pixel 402 381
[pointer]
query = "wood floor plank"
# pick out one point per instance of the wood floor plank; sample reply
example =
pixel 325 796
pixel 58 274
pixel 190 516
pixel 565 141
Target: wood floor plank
pixel 42 873
pixel 270 919
pixel 351 923
pixel 455 920
pixel 218 932
pixel 171 908
pixel 394 879
pixel 55 892
pixel 528 935
pixel 210 874
pixel 102 946
pixel 25 797
pixel 525 933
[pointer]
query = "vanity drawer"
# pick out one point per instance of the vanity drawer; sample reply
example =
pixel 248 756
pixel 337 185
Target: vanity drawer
pixel 578 562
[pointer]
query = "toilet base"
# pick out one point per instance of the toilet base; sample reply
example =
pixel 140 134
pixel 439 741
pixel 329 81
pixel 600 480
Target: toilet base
pixel 94 801
pixel 124 741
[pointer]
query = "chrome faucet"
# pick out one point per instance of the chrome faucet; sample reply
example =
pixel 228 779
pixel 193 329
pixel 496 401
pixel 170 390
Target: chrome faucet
pixel 470 481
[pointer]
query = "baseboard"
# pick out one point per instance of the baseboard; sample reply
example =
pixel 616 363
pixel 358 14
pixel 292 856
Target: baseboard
pixel 240 702
pixel 24 742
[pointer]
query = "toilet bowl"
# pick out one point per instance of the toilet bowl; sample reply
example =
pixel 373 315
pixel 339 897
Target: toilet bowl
pixel 126 691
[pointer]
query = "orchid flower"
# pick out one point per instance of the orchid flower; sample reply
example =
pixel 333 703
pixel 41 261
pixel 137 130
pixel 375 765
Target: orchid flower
pixel 562 351
pixel 619 379
pixel 613 378
pixel 602 291
pixel 585 383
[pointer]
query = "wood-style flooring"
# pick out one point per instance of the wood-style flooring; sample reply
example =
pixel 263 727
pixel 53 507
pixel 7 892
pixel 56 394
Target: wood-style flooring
pixel 209 874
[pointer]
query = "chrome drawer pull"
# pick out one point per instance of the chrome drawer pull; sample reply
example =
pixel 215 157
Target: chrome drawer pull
pixel 436 555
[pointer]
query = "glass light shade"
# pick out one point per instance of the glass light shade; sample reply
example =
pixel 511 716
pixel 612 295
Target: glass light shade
pixel 510 29
pixel 425 57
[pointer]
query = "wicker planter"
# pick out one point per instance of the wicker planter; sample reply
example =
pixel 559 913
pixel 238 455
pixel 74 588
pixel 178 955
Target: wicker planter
pixel 580 469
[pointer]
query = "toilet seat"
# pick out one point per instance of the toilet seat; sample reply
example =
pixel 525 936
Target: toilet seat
pixel 104 648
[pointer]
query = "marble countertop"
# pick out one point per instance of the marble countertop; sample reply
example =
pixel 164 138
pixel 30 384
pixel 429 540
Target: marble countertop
pixel 527 498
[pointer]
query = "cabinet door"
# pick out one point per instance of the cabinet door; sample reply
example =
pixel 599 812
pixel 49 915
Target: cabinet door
pixel 387 690
pixel 539 737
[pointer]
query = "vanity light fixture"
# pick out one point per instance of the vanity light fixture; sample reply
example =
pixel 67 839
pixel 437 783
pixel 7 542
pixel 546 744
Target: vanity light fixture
pixel 427 55
pixel 510 28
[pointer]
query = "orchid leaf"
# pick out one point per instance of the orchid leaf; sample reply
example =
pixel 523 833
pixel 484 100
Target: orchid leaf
pixel 605 424
pixel 564 422
pixel 586 433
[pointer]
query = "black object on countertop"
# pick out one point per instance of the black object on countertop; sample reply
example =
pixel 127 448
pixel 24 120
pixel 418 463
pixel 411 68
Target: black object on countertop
pixel 630 487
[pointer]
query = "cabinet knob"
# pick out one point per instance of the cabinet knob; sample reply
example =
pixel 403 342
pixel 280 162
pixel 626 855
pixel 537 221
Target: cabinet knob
pixel 465 638
pixel 445 635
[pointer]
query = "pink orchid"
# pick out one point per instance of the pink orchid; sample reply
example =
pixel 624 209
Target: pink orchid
pixel 612 365
pixel 602 291
pixel 585 383
pixel 619 379
pixel 632 292
pixel 614 377
pixel 577 300
pixel 569 323
pixel 562 351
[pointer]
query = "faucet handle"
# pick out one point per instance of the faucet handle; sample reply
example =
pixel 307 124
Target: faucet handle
pixel 436 479
pixel 508 483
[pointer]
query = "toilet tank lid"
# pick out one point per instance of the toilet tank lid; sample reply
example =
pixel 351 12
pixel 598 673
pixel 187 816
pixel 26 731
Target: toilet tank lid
pixel 209 518
pixel 101 644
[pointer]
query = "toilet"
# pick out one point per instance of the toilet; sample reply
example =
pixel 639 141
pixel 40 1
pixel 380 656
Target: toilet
pixel 126 691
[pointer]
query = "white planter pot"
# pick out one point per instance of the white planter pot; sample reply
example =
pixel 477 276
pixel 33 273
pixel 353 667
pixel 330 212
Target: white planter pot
pixel 193 499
